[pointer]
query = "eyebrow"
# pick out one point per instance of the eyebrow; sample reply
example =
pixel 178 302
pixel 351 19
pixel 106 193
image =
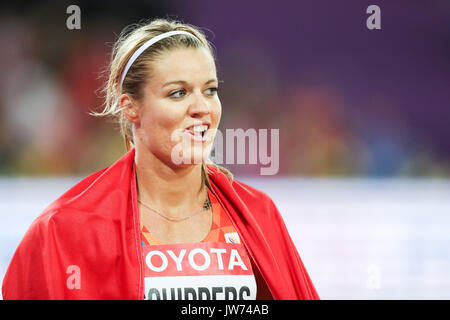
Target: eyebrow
pixel 185 82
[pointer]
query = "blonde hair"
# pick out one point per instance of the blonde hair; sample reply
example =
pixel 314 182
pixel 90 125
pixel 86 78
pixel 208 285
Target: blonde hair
pixel 130 39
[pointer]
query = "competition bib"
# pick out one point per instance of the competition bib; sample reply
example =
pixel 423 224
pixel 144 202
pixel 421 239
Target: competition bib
pixel 198 271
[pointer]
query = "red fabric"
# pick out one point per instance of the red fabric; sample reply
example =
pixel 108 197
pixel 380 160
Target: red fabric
pixel 94 228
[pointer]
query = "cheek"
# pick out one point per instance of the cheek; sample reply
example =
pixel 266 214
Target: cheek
pixel 158 138
pixel 166 128
pixel 163 116
pixel 216 112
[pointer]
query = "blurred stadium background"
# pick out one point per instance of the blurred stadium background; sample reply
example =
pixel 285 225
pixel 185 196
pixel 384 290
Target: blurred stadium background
pixel 364 120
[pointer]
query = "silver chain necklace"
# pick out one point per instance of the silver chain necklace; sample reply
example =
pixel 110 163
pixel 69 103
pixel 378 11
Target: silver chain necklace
pixel 206 206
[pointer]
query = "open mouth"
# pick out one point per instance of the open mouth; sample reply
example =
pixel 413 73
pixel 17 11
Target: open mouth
pixel 198 132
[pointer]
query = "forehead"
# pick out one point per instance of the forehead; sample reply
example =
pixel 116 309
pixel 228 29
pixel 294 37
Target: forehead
pixel 188 64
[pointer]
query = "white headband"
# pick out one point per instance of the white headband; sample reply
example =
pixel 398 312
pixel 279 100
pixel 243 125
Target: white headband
pixel 147 44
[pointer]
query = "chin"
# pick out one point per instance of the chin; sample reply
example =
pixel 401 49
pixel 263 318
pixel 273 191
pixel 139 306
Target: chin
pixel 190 155
pixel 192 160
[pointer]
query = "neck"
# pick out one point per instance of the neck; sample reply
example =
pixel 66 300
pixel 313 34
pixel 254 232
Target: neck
pixel 171 190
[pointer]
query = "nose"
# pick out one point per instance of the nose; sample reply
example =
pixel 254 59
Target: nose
pixel 199 105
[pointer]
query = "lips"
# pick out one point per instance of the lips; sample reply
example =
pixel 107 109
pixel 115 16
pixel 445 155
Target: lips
pixel 198 130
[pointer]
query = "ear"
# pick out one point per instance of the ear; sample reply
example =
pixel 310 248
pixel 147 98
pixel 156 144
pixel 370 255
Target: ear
pixel 129 108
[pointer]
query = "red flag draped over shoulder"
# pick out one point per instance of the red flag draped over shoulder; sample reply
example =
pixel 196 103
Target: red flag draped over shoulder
pixel 262 229
pixel 86 244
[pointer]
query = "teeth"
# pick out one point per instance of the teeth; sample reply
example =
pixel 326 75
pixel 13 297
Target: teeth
pixel 200 128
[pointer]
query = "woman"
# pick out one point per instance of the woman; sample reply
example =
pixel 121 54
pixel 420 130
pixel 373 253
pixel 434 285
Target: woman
pixel 160 223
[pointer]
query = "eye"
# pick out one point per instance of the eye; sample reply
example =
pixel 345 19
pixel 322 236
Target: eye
pixel 177 94
pixel 212 90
